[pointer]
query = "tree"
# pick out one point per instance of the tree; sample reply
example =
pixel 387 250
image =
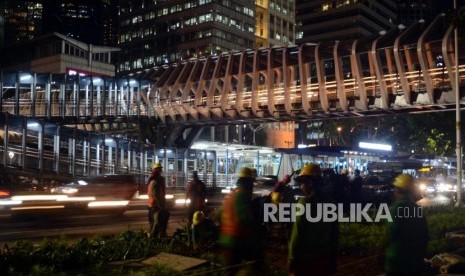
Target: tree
pixel 431 133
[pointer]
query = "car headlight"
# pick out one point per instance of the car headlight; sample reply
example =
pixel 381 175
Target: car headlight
pixel 169 196
pixel 64 190
pixel 182 201
pixel 443 187
pixel 226 191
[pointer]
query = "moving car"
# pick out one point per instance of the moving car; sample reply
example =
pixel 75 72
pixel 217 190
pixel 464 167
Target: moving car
pixel 262 187
pixel 378 189
pixel 104 187
pixel 447 186
pixel 105 192
pixel 427 186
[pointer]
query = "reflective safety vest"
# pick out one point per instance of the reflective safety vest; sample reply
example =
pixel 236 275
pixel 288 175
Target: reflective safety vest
pixel 156 192
pixel 236 216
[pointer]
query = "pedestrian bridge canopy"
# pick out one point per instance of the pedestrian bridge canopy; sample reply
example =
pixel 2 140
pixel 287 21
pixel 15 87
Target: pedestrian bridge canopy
pixel 404 70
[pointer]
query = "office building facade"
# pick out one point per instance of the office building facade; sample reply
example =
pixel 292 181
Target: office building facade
pixel 318 21
pixel 275 23
pixel 90 21
pixel 20 21
pixel 162 32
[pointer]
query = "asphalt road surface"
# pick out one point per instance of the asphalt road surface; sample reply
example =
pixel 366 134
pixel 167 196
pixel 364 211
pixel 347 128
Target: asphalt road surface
pixel 36 226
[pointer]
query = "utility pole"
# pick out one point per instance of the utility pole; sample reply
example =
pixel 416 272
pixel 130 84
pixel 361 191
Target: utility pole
pixel 457 113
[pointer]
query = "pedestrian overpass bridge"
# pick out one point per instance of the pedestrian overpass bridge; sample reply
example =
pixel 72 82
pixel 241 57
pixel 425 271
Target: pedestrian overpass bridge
pixel 406 70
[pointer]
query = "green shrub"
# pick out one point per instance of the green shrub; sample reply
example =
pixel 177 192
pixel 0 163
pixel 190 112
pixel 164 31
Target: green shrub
pixel 53 257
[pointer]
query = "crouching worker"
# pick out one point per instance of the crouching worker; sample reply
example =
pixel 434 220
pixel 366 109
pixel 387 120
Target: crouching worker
pixel 204 231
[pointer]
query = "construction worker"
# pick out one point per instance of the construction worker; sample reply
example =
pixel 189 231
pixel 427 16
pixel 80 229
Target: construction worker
pixel 157 213
pixel 313 245
pixel 407 234
pixel 238 227
pixel 279 190
pixel 204 231
pixel 281 193
pixel 356 187
pixel 196 193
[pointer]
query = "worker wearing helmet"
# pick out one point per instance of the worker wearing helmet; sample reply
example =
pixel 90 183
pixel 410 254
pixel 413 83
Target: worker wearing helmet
pixel 157 213
pixel 196 193
pixel 238 231
pixel 204 231
pixel 313 245
pixel 279 189
pixel 407 233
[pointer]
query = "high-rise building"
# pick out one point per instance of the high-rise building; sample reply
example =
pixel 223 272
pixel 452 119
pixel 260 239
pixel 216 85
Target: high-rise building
pixel 318 21
pixel 20 20
pixel 275 22
pixel 91 21
pixel 110 22
pixel 78 19
pixel 410 11
pixel 160 32
pixel 2 23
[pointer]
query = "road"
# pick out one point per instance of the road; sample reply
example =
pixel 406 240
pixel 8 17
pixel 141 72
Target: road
pixel 42 224
pixel 430 200
pixel 50 224
pixel 56 224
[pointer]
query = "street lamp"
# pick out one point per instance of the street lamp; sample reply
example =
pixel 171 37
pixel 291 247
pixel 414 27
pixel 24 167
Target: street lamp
pixel 457 115
pixel 288 143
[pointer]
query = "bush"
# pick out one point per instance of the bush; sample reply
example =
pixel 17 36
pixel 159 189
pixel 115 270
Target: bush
pixel 54 257
pixel 367 238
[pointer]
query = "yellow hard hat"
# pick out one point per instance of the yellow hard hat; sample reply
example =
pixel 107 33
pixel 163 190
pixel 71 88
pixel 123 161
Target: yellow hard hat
pixel 310 170
pixel 245 172
pixel 344 171
pixel 157 166
pixel 403 181
pixel 198 217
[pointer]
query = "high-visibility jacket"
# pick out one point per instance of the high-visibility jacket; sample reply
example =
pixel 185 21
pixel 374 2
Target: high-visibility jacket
pixel 236 218
pixel 156 192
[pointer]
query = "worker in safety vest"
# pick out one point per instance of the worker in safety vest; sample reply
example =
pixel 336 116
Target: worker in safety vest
pixel 238 226
pixel 313 244
pixel 407 233
pixel 157 213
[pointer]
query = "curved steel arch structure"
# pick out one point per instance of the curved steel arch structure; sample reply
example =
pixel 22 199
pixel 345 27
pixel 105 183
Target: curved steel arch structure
pixel 404 70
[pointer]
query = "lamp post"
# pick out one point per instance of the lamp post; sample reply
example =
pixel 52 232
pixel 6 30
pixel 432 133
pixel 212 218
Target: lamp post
pixel 457 114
